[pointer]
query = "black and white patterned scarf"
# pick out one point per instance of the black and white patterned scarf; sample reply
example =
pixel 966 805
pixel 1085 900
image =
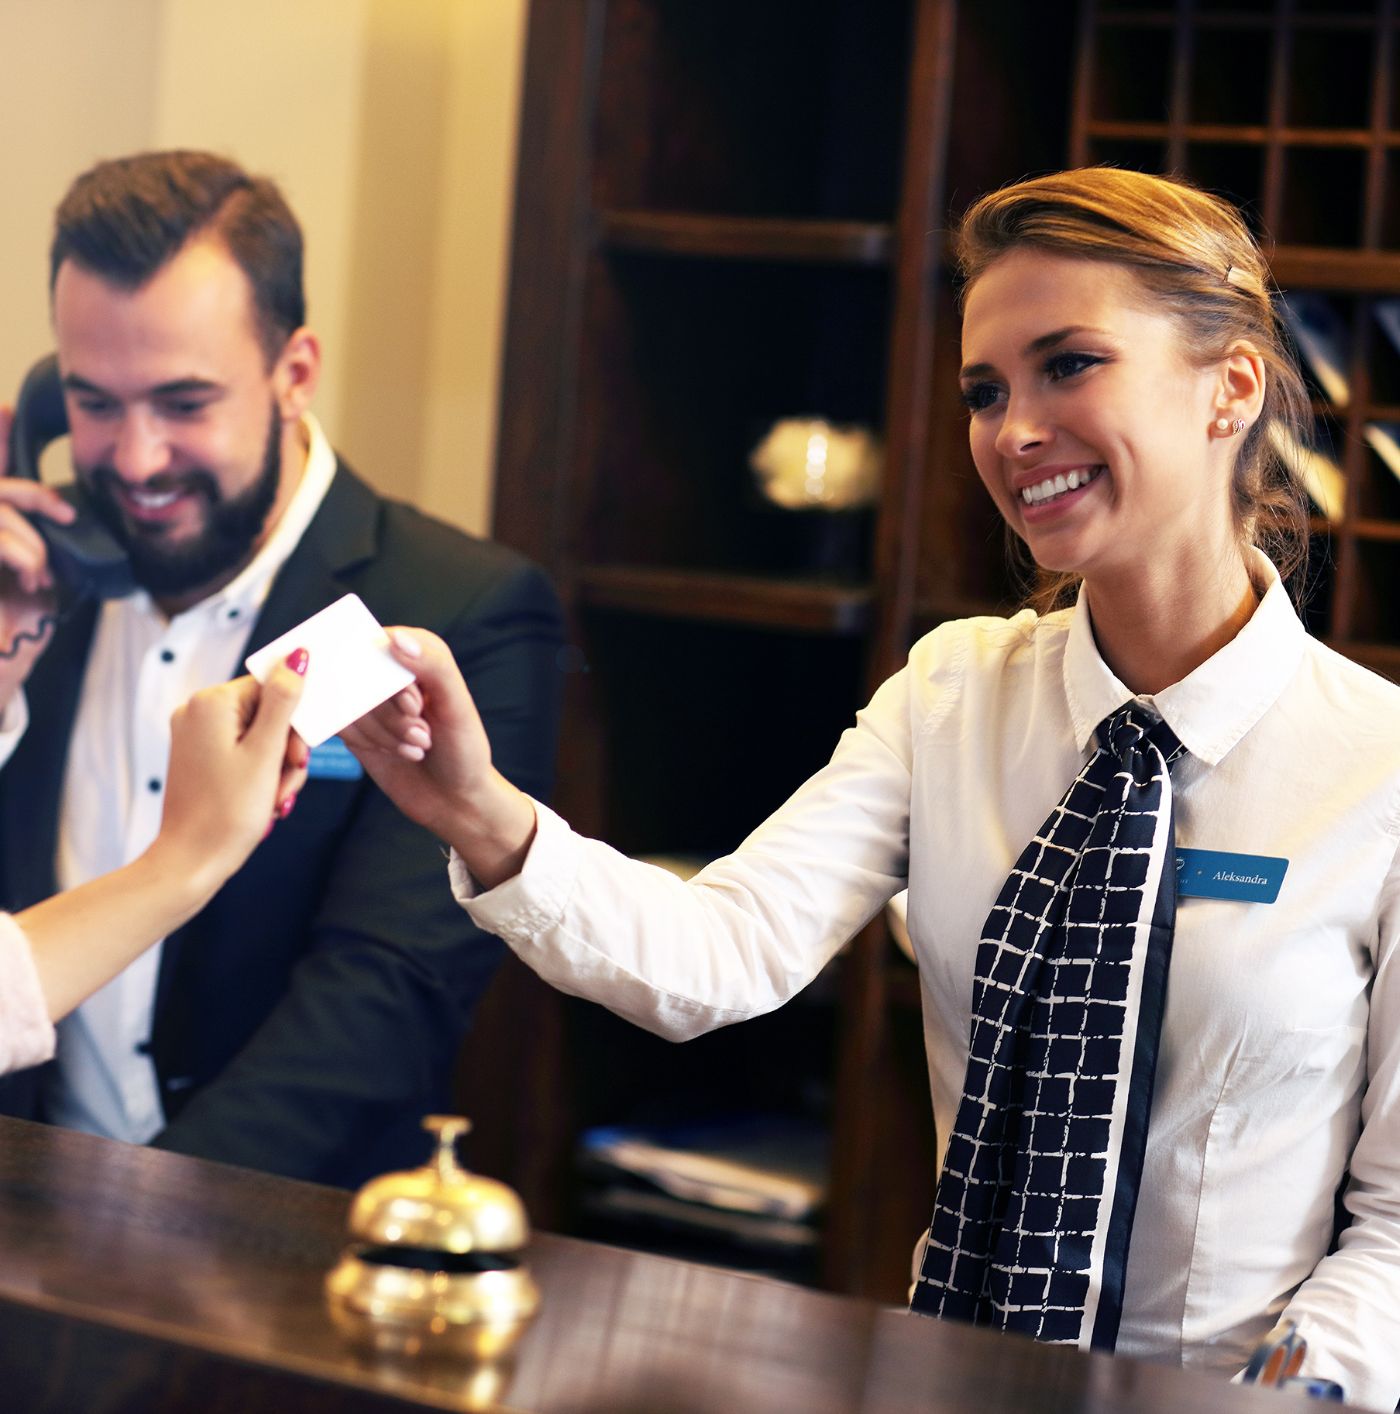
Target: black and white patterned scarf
pixel 1034 1208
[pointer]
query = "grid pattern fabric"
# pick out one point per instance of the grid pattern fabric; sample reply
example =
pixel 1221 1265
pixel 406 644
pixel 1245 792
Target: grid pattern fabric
pixel 1038 1184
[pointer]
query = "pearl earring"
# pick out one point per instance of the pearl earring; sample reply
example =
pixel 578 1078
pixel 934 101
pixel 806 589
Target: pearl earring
pixel 1222 426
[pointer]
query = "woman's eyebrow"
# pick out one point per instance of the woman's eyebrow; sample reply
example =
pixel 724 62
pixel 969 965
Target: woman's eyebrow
pixel 1039 344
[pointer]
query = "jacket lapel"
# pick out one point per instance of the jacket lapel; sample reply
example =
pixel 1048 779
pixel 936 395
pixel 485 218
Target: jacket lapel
pixel 342 534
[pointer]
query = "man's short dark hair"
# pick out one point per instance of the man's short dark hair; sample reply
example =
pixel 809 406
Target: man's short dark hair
pixel 124 219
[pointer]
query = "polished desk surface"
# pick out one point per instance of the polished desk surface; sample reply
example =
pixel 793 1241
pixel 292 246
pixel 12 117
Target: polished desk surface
pixel 134 1280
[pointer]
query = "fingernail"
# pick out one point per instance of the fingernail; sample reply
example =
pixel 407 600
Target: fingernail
pixel 407 645
pixel 270 824
pixel 285 808
pixel 297 660
pixel 418 737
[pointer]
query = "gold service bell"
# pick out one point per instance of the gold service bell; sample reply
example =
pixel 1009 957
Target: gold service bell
pixel 435 1264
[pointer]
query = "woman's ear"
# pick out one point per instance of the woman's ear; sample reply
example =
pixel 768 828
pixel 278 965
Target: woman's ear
pixel 1242 379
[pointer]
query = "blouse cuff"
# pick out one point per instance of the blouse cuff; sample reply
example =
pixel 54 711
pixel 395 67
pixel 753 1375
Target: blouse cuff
pixel 534 900
pixel 26 1033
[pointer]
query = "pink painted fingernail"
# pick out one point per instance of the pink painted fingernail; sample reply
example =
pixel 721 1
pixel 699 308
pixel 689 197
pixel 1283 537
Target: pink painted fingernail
pixel 297 660
pixel 285 808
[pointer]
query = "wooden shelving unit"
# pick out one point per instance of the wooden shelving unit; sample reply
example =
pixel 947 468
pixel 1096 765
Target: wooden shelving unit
pixel 730 213
pixel 1292 110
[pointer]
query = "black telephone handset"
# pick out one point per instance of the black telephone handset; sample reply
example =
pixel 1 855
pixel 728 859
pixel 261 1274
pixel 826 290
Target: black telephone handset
pixel 86 559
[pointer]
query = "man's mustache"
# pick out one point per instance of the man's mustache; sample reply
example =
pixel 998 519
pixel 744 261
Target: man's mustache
pixel 107 481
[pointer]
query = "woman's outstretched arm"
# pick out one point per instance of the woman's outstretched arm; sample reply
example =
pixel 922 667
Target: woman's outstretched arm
pixel 234 764
pixel 739 939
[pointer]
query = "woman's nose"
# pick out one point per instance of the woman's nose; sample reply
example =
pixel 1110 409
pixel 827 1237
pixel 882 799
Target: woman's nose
pixel 1022 429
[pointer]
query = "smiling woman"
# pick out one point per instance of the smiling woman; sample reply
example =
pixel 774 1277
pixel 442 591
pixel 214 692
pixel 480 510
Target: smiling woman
pixel 1174 253
pixel 1163 1032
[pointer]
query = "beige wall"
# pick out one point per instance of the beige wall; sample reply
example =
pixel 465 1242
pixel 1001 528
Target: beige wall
pixel 390 125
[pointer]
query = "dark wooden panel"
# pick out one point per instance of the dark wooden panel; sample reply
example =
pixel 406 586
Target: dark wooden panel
pixel 811 606
pixel 746 237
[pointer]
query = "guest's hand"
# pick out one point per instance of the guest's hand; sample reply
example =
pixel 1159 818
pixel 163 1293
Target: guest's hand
pixel 27 603
pixel 427 751
pixel 236 766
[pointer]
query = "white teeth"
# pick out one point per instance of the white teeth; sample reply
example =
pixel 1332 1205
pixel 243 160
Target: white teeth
pixel 1058 485
pixel 148 502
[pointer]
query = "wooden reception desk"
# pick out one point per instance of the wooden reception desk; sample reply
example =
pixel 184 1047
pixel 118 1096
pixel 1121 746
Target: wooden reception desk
pixel 137 1282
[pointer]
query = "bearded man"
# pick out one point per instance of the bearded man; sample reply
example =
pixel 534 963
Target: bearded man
pixel 307 1019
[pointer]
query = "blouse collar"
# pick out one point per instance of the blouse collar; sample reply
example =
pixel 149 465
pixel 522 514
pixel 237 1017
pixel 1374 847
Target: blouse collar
pixel 1212 707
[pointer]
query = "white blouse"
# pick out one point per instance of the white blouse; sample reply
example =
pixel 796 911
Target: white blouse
pixel 1280 1055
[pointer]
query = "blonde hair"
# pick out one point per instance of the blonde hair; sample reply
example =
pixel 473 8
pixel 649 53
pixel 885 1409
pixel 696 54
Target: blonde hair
pixel 1198 263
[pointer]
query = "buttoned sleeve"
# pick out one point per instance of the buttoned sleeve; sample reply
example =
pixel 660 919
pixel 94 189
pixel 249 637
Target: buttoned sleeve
pixel 26 1033
pixel 1349 1309
pixel 751 929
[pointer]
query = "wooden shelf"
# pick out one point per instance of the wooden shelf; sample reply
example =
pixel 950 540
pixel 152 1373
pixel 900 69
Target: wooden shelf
pixel 746 237
pixel 944 607
pixel 1244 135
pixel 1263 21
pixel 1383 530
pixel 808 606
pixel 1325 268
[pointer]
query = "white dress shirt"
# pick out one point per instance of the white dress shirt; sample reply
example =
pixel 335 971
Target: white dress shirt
pixel 141 667
pixel 1280 1055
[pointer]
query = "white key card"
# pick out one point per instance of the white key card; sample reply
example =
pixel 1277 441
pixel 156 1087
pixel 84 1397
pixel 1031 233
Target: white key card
pixel 351 671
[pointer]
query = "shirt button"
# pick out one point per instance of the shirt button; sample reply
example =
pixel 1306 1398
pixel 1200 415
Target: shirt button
pixel 153 786
pixel 166 656
pixel 233 613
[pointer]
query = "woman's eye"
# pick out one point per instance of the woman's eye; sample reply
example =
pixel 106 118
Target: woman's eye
pixel 980 396
pixel 1066 365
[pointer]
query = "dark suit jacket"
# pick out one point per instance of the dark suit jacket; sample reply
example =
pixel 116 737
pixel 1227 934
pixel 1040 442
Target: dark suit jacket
pixel 309 1016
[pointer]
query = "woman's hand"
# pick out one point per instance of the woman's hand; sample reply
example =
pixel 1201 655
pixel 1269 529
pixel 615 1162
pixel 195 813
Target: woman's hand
pixel 235 768
pixel 27 620
pixel 235 763
pixel 27 601
pixel 426 749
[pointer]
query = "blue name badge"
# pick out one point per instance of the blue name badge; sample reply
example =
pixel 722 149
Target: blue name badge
pixel 1212 873
pixel 333 761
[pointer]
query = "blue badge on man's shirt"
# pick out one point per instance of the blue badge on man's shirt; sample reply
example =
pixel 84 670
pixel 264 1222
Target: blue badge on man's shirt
pixel 1213 873
pixel 333 761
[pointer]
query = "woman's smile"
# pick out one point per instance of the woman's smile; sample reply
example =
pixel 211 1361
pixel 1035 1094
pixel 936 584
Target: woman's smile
pixel 1057 486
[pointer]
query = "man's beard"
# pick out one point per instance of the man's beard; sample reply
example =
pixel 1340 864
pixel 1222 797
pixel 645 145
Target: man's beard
pixel 230 533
